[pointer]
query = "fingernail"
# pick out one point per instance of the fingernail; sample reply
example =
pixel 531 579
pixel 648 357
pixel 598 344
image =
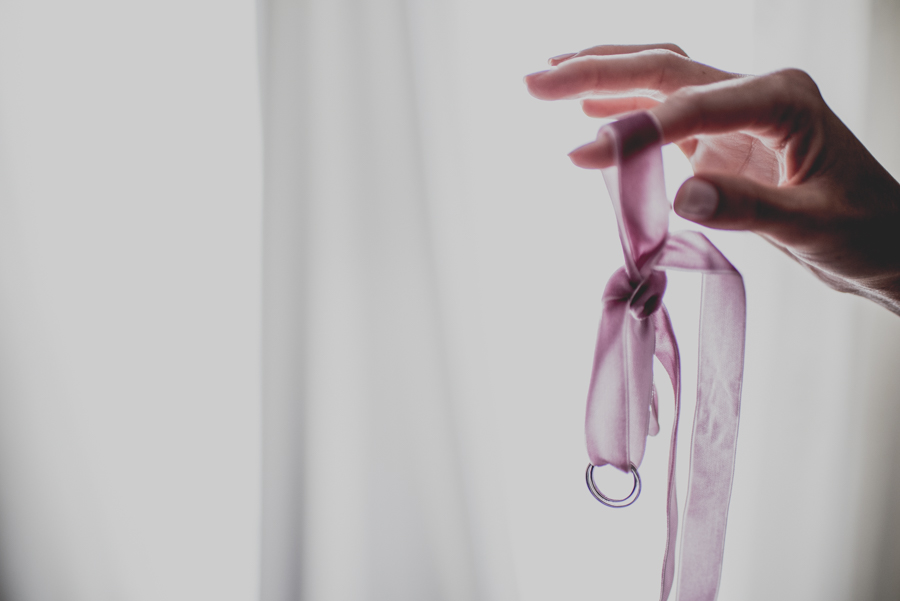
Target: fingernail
pixel 582 148
pixel 601 144
pixel 535 75
pixel 583 153
pixel 560 58
pixel 580 157
pixel 697 199
pixel 595 155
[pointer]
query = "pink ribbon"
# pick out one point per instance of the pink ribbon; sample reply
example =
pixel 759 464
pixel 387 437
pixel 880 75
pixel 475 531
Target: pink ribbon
pixel 622 406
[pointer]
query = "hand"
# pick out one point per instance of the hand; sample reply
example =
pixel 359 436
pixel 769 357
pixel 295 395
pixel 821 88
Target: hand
pixel 768 154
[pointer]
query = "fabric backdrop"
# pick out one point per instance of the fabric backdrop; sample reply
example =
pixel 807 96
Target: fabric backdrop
pixel 298 302
pixel 434 268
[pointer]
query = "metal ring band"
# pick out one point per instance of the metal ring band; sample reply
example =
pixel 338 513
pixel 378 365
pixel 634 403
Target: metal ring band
pixel 631 498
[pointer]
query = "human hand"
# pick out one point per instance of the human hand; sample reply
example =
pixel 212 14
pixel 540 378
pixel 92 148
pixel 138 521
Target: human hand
pixel 768 154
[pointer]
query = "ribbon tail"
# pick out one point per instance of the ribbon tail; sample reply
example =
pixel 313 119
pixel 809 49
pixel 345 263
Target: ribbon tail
pixel 640 341
pixel 606 419
pixel 617 419
pixel 667 353
pixel 714 438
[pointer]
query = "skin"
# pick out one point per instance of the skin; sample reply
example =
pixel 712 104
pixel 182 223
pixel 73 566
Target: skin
pixel 780 162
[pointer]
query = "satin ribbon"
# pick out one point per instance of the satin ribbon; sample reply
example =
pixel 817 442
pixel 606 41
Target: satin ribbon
pixel 622 408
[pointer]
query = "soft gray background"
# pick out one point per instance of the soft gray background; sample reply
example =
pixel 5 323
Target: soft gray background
pixel 298 298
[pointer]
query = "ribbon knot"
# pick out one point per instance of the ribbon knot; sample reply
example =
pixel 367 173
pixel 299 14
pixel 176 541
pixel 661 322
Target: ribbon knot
pixel 642 298
pixel 622 404
pixel 647 296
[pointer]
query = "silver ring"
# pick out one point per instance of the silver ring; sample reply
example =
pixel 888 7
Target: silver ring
pixel 631 498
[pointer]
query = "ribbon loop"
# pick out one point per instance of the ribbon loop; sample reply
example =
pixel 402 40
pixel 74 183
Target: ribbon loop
pixel 635 327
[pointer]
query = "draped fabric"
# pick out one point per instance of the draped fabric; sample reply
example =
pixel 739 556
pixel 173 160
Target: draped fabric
pixel 535 227
pixel 298 298
pixel 130 210
pixel 375 446
pixel 534 250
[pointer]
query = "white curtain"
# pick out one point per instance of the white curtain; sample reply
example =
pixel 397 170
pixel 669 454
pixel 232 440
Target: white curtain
pixel 298 298
pixel 371 475
pixel 130 218
pixel 421 214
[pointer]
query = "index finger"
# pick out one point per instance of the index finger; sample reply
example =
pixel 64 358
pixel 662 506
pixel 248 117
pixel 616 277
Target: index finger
pixel 771 106
pixel 767 105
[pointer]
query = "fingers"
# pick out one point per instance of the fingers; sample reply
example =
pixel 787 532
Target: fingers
pixel 734 203
pixel 655 73
pixel 608 49
pixel 596 155
pixel 611 107
pixel 775 107
pixel 768 105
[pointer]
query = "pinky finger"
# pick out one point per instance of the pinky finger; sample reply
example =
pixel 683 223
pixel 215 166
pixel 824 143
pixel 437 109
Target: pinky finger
pixel 609 107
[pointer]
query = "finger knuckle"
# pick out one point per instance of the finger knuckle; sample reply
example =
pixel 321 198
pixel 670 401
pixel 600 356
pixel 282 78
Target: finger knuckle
pixel 667 56
pixel 796 102
pixel 798 83
pixel 674 48
pixel 681 99
pixel 686 98
pixel 691 107
pixel 667 63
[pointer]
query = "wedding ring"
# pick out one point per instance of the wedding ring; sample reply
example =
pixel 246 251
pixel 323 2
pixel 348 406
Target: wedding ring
pixel 631 498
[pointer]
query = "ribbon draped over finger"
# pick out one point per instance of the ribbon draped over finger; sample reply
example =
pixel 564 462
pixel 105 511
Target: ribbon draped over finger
pixel 635 326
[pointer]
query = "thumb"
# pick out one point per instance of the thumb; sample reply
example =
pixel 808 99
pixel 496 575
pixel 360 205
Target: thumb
pixel 733 203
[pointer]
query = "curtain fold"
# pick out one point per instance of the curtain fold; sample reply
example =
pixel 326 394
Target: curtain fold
pixel 363 485
pixel 878 538
pixel 130 259
pixel 421 265
pixel 432 268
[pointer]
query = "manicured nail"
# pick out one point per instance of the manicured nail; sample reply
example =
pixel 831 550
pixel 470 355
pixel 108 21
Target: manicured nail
pixel 560 58
pixel 602 145
pixel 595 155
pixel 697 199
pixel 535 75
pixel 584 150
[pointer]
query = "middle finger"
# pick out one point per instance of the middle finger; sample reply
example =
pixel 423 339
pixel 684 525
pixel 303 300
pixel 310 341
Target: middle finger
pixel 652 73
